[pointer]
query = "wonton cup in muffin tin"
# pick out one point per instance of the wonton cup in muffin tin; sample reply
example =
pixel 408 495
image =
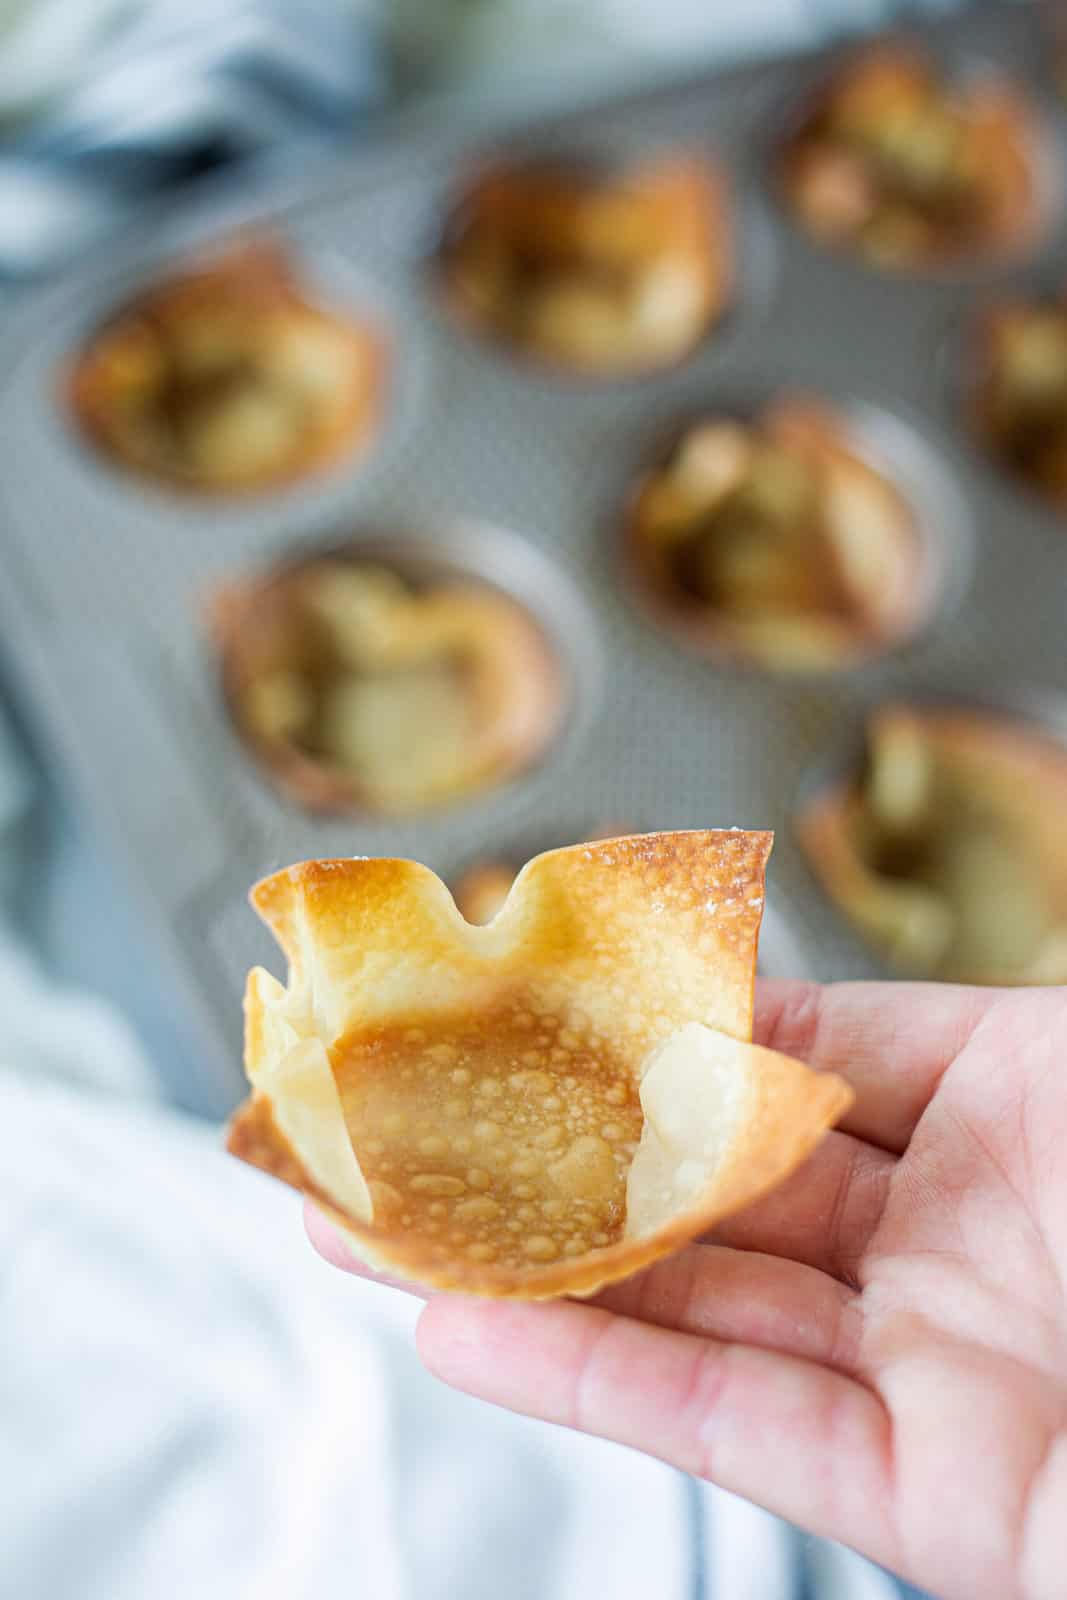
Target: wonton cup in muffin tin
pixel 911 168
pixel 597 273
pixel 1018 392
pixel 365 681
pixel 224 379
pixel 946 848
pixel 773 541
pixel 540 1106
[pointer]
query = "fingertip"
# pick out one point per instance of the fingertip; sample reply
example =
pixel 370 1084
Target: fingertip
pixel 891 1042
pixel 332 1246
pixel 786 1014
pixel 453 1334
pixel 490 1348
pixel 327 1240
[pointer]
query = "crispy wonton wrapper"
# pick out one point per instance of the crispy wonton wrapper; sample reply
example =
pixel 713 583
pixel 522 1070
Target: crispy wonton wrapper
pixel 538 1106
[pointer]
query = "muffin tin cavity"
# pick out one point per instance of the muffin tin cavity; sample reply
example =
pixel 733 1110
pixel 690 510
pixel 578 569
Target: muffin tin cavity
pixel 593 269
pixel 942 843
pixel 387 677
pixel 1017 394
pixel 223 378
pixel 912 165
pixel 789 537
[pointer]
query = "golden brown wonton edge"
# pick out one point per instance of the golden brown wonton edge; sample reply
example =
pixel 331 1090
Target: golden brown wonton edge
pixel 233 612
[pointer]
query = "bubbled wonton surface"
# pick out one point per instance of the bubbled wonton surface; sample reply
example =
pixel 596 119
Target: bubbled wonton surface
pixel 538 1106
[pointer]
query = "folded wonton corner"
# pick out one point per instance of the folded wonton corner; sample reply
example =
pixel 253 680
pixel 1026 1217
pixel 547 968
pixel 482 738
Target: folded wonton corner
pixel 540 1105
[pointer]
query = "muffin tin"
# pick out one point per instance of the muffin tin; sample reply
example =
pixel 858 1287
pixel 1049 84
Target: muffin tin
pixel 107 584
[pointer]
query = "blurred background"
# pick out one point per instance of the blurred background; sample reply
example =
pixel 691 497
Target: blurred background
pixel 189 1403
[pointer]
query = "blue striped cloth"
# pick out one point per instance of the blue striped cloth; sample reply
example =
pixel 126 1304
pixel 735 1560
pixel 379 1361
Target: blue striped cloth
pixel 170 88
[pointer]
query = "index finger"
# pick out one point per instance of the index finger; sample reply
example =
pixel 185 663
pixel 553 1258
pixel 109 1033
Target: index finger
pixel 796 1437
pixel 893 1042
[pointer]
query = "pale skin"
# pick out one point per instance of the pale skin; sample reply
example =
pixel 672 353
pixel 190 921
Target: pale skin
pixel 878 1350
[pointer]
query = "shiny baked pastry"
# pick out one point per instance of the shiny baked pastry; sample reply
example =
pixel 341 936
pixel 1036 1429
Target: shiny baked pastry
pixel 910 168
pixel 596 274
pixel 536 1107
pixel 947 849
pixel 1019 395
pixel 226 379
pixel 772 540
pixel 360 690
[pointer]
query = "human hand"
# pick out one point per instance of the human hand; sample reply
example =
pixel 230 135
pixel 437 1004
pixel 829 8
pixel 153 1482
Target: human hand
pixel 878 1349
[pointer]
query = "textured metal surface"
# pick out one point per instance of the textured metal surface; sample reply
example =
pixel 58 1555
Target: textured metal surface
pixel 104 582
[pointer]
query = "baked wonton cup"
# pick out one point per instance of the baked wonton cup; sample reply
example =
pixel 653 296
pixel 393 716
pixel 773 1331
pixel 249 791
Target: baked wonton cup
pixel 538 1106
pixel 771 540
pixel 365 682
pixel 945 848
pixel 914 168
pixel 1018 396
pixel 602 274
pixel 225 379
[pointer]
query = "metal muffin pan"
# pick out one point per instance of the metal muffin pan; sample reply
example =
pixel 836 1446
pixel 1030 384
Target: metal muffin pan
pixel 105 586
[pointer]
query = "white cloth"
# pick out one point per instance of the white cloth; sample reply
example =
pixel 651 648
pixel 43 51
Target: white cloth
pixel 170 1426
pixel 191 1403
